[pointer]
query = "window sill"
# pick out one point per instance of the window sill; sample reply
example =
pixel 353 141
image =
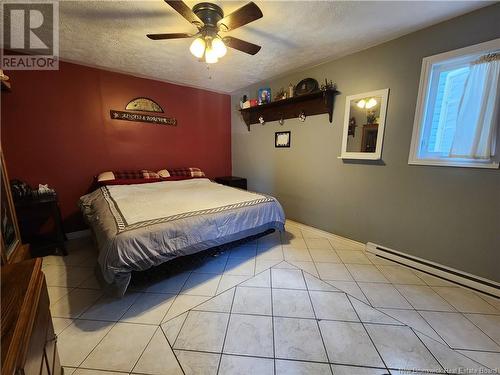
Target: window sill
pixel 460 164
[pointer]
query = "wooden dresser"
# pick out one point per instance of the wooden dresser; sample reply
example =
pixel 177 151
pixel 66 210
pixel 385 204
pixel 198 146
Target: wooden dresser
pixel 29 344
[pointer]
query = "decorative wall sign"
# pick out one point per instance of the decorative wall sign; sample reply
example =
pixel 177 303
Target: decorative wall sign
pixel 138 105
pixel 144 105
pixel 282 139
pixel 141 117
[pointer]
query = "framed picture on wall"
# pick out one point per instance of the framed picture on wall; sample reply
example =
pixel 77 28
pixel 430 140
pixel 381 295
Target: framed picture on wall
pixel 282 139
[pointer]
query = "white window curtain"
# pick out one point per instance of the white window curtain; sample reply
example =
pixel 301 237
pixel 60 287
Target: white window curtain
pixel 478 113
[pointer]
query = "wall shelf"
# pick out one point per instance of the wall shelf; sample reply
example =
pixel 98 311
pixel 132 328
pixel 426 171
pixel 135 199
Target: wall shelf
pixel 316 103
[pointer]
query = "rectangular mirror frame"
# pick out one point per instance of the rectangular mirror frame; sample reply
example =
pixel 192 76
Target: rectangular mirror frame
pixel 384 94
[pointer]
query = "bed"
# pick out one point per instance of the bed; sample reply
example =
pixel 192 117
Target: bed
pixel 139 226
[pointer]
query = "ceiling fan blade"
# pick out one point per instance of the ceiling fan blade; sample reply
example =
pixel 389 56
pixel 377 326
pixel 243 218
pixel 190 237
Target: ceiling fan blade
pixel 168 36
pixel 241 45
pixel 246 14
pixel 185 11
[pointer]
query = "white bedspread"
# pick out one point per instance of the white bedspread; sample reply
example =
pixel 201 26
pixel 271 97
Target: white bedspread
pixel 149 202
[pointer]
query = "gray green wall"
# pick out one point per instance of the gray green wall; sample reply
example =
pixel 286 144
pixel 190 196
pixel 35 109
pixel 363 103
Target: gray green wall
pixel 444 214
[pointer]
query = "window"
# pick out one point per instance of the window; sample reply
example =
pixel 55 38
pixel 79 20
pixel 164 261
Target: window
pixel 458 110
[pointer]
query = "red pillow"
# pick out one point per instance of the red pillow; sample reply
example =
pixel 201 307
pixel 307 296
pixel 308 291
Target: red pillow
pixel 186 172
pixel 128 175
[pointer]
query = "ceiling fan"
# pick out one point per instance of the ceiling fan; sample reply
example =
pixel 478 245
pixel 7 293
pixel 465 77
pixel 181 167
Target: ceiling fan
pixel 210 20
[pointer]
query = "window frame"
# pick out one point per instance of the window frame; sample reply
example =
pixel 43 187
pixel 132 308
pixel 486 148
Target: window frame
pixel 423 100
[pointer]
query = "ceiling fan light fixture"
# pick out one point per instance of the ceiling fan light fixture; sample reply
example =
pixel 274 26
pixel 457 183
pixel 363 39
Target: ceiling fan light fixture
pixel 198 47
pixel 210 19
pixel 219 47
pixel 211 56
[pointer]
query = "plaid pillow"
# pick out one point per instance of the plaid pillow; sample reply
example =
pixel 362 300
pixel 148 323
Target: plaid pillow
pixel 186 172
pixel 137 174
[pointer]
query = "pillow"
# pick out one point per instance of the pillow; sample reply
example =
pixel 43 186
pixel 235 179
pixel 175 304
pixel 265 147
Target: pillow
pixel 186 172
pixel 105 176
pixel 126 175
pixel 163 173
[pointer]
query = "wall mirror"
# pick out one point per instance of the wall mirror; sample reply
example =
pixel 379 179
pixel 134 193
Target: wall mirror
pixel 364 121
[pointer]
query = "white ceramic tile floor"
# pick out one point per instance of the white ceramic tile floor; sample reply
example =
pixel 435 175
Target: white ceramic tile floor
pixel 366 273
pixel 422 297
pixel 400 348
pixel 298 339
pixel 458 332
pixel 249 335
pixel 251 300
pixel 332 306
pixel 201 284
pixel 333 271
pixel 202 331
pixel 345 340
pixel 465 300
pixel 283 321
pixel 158 358
pixel 120 349
pixel 237 365
pixel 287 279
pixel 285 367
pixel 149 308
pixel 292 303
pixel 198 363
pixel 384 295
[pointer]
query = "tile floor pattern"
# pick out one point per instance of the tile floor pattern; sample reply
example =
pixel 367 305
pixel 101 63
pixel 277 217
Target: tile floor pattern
pixel 302 302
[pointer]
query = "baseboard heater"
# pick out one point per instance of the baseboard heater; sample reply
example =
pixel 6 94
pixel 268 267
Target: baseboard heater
pixel 452 275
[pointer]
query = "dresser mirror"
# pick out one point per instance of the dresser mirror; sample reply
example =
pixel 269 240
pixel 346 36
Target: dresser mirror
pixel 364 122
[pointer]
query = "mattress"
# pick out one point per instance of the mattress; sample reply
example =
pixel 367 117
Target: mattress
pixel 144 225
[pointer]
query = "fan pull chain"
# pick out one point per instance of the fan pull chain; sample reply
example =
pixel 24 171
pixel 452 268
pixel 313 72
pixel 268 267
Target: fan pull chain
pixel 208 72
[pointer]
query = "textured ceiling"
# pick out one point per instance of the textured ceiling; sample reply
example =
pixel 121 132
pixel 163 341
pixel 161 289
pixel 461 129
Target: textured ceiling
pixel 293 35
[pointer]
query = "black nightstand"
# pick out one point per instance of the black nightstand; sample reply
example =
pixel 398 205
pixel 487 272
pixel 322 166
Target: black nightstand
pixel 32 214
pixel 233 181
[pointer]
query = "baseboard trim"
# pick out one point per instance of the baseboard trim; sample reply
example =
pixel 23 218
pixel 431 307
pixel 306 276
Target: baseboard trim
pixel 78 234
pixel 450 274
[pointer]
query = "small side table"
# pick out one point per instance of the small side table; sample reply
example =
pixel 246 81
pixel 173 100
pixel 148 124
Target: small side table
pixel 233 181
pixel 34 212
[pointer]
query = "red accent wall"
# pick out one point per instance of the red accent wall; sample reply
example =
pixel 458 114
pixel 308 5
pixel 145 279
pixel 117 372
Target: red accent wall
pixel 56 129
